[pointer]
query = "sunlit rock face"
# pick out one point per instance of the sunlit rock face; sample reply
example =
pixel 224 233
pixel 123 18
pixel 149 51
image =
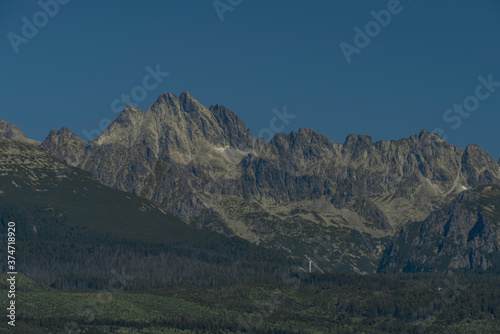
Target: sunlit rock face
pixel 293 192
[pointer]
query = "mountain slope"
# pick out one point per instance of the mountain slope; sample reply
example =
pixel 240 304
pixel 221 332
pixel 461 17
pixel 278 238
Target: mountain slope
pixel 29 175
pixel 463 235
pixel 12 131
pixel 295 192
pixel 73 232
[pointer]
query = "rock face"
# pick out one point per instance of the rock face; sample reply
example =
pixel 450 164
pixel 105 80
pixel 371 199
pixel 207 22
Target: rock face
pixel 13 132
pixel 463 235
pixel 302 192
pixel 65 145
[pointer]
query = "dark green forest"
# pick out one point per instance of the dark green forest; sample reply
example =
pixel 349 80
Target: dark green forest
pixel 75 280
pixel 64 256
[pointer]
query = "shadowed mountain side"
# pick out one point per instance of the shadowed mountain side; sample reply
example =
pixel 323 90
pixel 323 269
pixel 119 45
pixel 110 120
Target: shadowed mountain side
pixel 72 231
pixel 462 235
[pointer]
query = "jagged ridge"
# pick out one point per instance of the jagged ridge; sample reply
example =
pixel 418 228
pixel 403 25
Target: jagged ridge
pixel 205 166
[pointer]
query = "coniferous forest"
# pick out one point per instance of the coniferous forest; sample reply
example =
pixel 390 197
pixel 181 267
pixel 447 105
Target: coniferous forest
pixel 75 282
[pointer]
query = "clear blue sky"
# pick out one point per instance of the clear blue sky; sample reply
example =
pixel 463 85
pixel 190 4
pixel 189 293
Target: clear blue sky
pixel 263 55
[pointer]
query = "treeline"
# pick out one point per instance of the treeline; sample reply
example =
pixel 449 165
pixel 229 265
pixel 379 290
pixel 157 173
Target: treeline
pixel 137 267
pixel 52 252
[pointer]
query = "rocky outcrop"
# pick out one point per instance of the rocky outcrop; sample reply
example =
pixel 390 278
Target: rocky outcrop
pixel 235 132
pixel 65 146
pixel 463 235
pixel 478 167
pixel 13 132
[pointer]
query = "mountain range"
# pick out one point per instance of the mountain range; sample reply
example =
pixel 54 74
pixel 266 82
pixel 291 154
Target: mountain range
pixel 414 204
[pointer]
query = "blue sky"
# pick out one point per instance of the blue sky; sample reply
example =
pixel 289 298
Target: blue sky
pixel 263 55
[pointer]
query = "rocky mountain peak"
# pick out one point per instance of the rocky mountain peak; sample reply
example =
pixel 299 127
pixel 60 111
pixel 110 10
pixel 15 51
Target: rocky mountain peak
pixel 189 103
pixel 234 129
pixel 426 136
pixel 129 114
pixel 65 146
pixel 308 133
pixel 357 146
pixel 125 127
pixel 304 136
pixel 353 140
pixel 13 132
pixel 167 98
pixel 478 166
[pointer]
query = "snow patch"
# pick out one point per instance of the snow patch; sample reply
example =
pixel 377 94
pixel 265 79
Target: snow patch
pixel 221 149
